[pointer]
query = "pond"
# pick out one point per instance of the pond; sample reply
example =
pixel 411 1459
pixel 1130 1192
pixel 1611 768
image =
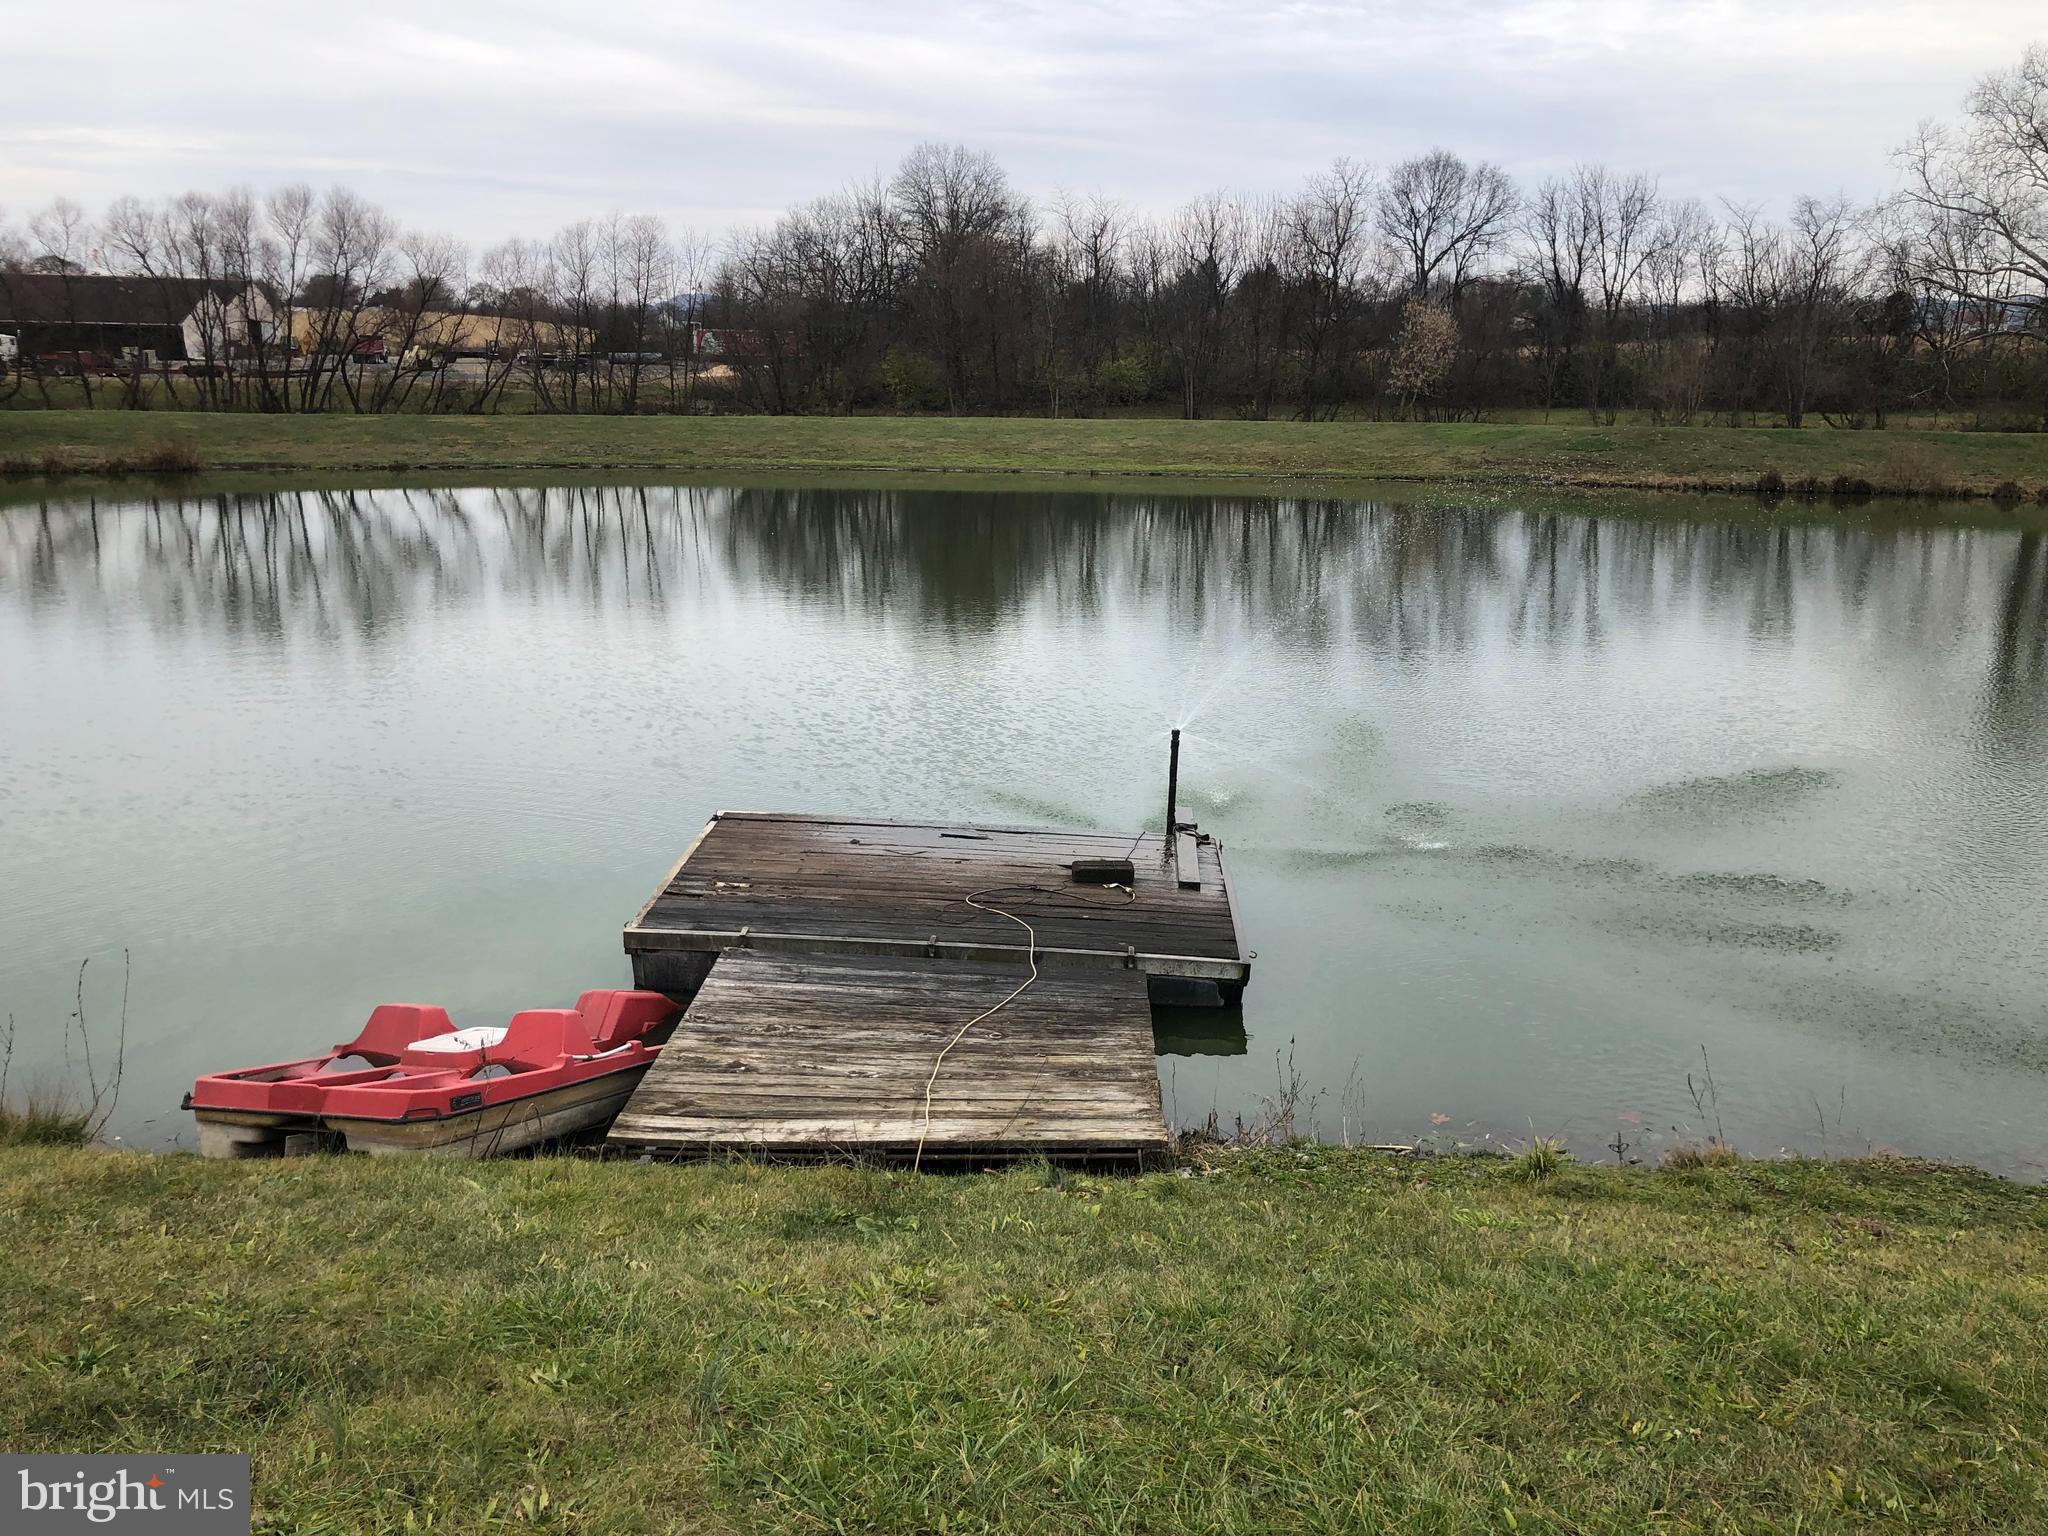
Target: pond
pixel 1538 814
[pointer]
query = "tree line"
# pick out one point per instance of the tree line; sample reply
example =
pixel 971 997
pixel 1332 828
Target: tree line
pixel 1435 287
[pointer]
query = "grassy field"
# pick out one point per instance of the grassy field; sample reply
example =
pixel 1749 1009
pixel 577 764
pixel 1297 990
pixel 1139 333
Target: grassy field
pixel 1556 454
pixel 1301 1340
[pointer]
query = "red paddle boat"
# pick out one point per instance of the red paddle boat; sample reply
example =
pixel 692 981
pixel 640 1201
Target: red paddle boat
pixel 413 1082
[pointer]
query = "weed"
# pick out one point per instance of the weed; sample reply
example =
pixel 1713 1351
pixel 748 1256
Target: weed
pixel 1288 1115
pixel 1910 469
pixel 169 458
pixel 41 1123
pixel 1706 1098
pixel 1700 1154
pixel 67 1115
pixel 38 1121
pixel 1541 1160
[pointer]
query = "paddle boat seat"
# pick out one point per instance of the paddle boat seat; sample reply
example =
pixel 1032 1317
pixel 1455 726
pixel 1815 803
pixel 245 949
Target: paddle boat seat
pixel 393 1027
pixel 616 1017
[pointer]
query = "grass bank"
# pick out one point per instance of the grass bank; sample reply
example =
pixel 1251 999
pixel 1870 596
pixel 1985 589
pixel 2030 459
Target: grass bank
pixel 2011 466
pixel 1311 1340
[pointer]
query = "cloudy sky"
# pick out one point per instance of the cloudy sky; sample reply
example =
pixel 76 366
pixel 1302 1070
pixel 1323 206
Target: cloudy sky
pixel 484 120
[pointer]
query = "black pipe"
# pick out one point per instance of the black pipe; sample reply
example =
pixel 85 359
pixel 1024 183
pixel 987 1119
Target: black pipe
pixel 1172 790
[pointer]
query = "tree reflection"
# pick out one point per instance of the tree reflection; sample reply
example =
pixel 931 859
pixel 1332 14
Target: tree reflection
pixel 1406 585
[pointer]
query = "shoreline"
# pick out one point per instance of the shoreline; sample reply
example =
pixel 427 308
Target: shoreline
pixel 2009 470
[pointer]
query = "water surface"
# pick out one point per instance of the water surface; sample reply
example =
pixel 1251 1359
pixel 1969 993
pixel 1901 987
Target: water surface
pixel 1533 815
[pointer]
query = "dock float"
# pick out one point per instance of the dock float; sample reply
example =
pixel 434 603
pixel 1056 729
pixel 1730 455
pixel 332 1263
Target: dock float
pixel 830 964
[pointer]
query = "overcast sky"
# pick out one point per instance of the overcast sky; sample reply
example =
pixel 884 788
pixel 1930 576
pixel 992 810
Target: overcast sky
pixel 484 120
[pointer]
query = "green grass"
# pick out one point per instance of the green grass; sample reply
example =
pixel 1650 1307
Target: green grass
pixel 1554 454
pixel 1308 1340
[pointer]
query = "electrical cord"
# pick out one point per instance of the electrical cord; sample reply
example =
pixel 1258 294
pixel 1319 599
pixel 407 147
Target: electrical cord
pixel 1068 891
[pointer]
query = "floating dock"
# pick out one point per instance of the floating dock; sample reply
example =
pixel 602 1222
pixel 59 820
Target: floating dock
pixel 828 963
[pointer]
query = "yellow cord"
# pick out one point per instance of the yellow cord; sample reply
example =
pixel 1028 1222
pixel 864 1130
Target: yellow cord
pixel 1031 937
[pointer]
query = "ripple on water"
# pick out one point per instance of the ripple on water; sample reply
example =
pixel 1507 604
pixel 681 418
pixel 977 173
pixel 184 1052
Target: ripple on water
pixel 1043 811
pixel 1695 928
pixel 1779 889
pixel 1419 815
pixel 1717 797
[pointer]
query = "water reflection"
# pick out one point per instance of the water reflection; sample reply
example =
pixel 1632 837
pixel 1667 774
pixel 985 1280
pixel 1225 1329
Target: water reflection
pixel 1408 582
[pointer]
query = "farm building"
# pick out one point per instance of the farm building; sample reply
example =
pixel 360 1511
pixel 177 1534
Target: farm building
pixel 174 319
pixel 436 333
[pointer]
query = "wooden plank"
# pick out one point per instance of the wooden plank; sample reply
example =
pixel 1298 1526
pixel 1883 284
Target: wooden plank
pixel 688 854
pixel 1230 900
pixel 1187 861
pixel 828 1055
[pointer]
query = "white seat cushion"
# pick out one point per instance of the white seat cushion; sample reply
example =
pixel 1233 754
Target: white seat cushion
pixel 478 1037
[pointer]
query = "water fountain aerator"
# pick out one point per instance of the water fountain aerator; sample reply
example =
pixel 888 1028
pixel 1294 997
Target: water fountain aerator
pixel 1121 871
pixel 1173 787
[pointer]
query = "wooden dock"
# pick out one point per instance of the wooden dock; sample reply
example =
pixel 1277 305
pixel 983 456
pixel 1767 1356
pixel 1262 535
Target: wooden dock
pixel 827 964
pixel 821 1056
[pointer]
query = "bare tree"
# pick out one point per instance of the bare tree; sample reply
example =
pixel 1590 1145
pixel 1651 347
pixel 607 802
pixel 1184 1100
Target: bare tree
pixel 1621 213
pixel 1935 255
pixel 641 267
pixel 1821 268
pixel 132 237
pixel 1982 189
pixel 1089 237
pixel 574 259
pixel 60 239
pixel 1558 236
pixel 806 299
pixel 349 261
pixel 1328 228
pixel 287 246
pixel 417 318
pixel 1677 314
pixel 1209 243
pixel 1445 217
pixel 13 258
pixel 956 212
pixel 516 287
pixel 1748 284
pixel 246 257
